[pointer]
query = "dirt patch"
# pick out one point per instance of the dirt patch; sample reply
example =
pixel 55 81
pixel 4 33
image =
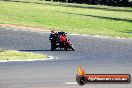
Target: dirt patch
pixel 23 27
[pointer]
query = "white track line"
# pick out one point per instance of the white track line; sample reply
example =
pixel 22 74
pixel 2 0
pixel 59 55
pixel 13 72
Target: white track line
pixel 49 58
pixel 97 36
pixel 73 34
pixel 71 83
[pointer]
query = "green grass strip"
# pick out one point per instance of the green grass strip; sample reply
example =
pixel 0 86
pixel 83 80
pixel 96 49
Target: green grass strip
pixel 74 18
pixel 16 55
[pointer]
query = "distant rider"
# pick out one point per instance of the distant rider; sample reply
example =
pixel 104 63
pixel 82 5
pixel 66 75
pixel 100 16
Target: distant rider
pixel 53 39
pixel 53 36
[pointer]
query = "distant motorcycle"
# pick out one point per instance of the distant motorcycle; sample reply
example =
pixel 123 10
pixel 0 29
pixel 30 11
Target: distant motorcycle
pixel 61 41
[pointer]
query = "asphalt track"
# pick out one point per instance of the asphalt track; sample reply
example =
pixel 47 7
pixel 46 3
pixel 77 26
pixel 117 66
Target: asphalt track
pixel 96 55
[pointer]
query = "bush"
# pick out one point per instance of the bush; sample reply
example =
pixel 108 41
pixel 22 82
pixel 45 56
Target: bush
pixel 122 3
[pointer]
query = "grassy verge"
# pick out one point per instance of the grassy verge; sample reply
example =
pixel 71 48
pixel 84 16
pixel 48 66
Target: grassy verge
pixel 75 18
pixel 16 55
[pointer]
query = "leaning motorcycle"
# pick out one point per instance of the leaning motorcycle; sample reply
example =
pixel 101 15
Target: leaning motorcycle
pixel 63 42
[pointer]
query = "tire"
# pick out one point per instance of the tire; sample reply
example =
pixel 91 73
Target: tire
pixel 65 49
pixel 71 47
pixel 81 80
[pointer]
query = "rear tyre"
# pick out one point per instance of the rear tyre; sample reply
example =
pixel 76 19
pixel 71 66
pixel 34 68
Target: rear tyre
pixel 66 49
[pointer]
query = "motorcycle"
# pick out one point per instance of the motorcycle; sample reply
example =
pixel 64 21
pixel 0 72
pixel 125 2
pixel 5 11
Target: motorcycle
pixel 63 42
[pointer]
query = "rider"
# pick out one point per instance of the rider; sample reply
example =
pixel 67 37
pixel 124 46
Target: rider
pixel 52 36
pixel 52 39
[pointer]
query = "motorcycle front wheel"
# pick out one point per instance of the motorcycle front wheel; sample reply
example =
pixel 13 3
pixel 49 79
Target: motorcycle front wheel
pixel 71 47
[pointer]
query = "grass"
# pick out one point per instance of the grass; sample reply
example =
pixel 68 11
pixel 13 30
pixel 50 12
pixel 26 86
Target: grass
pixel 16 55
pixel 74 18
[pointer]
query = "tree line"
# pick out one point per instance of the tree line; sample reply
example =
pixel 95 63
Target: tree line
pixel 120 3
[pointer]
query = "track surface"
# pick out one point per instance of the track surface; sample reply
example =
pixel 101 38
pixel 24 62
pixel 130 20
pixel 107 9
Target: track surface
pixel 96 55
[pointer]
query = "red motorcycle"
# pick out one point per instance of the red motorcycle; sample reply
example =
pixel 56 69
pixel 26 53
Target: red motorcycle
pixel 62 42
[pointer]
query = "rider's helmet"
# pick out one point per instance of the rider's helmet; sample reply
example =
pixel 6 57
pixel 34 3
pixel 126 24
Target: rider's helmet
pixel 52 32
